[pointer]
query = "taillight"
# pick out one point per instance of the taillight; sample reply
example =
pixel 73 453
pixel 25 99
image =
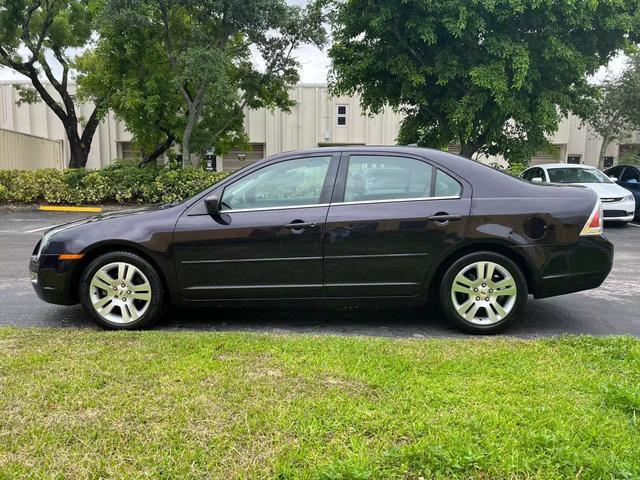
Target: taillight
pixel 595 222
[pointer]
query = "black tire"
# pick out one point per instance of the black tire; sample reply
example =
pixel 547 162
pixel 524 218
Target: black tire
pixel 156 305
pixel 447 305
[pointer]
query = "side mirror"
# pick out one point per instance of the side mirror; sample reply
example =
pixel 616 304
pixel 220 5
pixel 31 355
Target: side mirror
pixel 212 202
pixel 613 179
pixel 536 180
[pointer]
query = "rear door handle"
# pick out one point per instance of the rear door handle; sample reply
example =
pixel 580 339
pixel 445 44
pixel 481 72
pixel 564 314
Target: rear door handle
pixel 299 225
pixel 445 218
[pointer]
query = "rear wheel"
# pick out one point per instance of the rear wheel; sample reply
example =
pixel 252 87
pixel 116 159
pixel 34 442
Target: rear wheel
pixel 121 291
pixel 483 293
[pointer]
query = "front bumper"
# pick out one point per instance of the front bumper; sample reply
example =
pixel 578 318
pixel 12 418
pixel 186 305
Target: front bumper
pixel 52 279
pixel 623 211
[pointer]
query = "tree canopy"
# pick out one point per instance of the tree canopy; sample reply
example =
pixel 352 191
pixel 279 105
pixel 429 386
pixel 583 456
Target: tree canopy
pixel 197 60
pixel 495 77
pixel 37 39
pixel 616 110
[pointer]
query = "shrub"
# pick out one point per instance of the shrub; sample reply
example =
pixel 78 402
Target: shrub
pixel 122 182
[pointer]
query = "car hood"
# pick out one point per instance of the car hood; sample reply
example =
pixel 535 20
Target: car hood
pixel 126 212
pixel 607 190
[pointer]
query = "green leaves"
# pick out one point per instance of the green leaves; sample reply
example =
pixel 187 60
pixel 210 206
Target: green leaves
pixel 122 182
pixel 32 33
pixel 184 70
pixel 495 77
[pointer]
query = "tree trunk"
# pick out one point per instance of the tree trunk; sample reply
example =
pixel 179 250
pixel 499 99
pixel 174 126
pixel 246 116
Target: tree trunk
pixel 603 150
pixel 467 150
pixel 186 137
pixel 78 150
pixel 160 149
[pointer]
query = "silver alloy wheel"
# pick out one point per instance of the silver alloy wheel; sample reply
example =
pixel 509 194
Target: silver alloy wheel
pixel 120 292
pixel 484 293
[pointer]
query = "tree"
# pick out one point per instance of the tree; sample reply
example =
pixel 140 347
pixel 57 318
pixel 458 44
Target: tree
pixel 616 111
pixel 494 76
pixel 36 38
pixel 132 72
pixel 203 50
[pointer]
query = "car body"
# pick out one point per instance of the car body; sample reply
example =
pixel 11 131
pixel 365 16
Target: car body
pixel 336 225
pixel 628 177
pixel 618 205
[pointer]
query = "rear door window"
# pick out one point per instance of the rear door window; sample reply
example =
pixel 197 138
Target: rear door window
pixel 378 178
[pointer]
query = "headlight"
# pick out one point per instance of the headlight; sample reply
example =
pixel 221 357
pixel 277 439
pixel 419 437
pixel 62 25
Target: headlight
pixel 628 198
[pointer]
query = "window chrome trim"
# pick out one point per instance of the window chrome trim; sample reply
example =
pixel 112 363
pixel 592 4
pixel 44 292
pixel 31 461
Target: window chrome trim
pixel 397 200
pixel 288 207
pixel 362 202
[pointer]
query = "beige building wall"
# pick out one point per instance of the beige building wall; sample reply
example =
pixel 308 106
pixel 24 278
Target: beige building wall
pixel 313 121
pixel 38 119
pixel 28 152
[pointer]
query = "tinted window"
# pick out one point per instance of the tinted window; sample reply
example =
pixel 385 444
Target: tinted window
pixel 614 172
pixel 533 173
pixel 375 177
pixel 576 175
pixel 630 175
pixel 447 186
pixel 288 183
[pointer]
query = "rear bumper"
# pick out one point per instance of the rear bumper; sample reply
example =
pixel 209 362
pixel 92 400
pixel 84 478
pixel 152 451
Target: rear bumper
pixel 52 279
pixel 570 268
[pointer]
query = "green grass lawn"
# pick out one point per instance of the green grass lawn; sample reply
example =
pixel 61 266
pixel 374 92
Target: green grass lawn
pixel 84 404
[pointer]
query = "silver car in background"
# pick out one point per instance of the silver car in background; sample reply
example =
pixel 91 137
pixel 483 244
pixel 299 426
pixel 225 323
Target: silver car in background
pixel 618 204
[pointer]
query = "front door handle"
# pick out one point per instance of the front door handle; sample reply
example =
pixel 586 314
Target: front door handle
pixel 444 218
pixel 299 225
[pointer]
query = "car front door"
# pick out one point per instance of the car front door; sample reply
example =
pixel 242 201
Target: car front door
pixel 390 217
pixel 630 179
pixel 267 240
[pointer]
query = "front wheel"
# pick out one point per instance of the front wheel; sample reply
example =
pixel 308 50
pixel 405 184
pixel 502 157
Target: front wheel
pixel 121 291
pixel 483 293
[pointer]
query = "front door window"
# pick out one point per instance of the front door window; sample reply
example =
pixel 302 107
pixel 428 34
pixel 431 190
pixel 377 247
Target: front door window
pixel 292 183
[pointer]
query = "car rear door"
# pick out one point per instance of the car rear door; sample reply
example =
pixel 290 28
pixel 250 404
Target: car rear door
pixel 267 240
pixel 390 217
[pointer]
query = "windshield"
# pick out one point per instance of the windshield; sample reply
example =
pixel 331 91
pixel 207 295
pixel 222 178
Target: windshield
pixel 576 175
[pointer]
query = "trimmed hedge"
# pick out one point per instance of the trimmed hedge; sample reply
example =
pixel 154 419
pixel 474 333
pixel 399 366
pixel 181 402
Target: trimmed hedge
pixel 120 183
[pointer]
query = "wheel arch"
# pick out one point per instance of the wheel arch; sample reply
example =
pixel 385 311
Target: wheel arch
pixel 106 247
pixel 493 247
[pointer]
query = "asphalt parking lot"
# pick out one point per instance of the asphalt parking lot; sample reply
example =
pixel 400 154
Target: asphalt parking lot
pixel 612 309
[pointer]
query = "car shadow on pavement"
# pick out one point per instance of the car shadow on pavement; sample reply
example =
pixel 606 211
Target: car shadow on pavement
pixel 541 318
pixel 383 321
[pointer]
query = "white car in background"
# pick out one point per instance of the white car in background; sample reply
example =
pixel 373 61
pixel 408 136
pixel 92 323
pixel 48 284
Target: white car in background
pixel 618 204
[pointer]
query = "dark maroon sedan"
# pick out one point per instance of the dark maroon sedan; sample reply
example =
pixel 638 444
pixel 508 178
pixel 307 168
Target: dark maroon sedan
pixel 352 224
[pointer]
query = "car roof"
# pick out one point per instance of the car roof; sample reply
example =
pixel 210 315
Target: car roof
pixel 564 165
pixel 446 159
